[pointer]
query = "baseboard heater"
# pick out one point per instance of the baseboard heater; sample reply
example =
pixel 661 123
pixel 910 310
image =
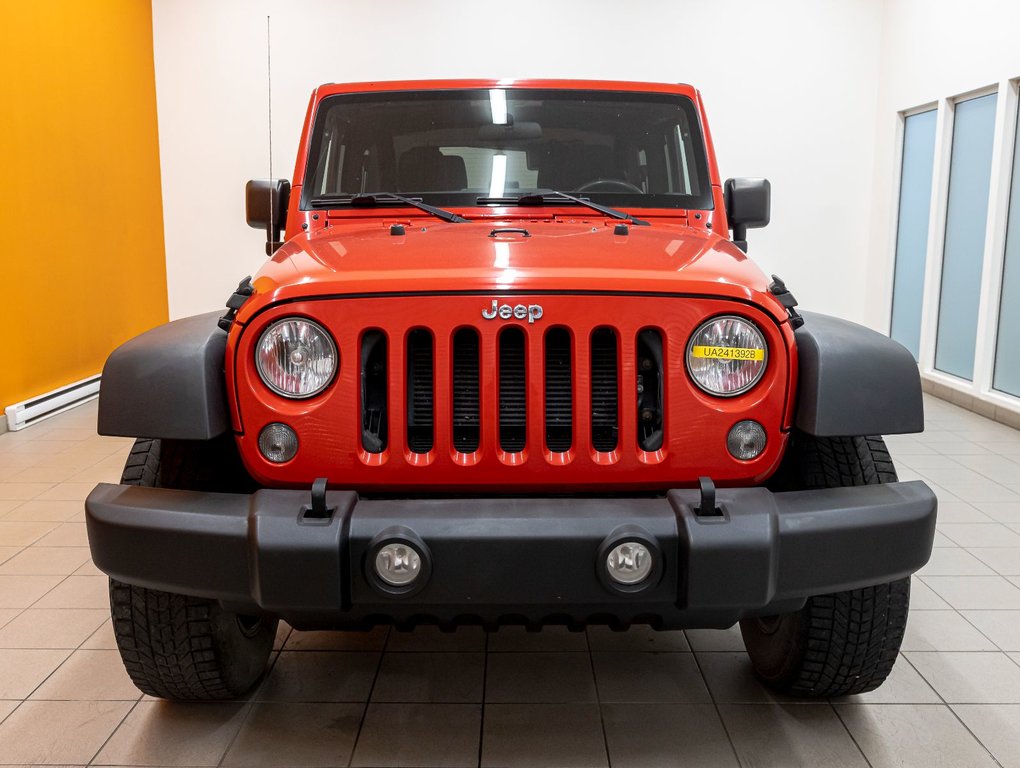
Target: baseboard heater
pixel 29 412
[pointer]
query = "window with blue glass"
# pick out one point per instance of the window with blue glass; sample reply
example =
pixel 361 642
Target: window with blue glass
pixel 912 228
pixel 966 215
pixel 1006 377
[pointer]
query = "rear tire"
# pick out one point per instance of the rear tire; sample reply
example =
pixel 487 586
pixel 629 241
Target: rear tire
pixel 846 642
pixel 177 646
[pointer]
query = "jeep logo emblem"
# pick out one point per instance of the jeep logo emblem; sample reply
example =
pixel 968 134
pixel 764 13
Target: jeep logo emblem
pixel 530 312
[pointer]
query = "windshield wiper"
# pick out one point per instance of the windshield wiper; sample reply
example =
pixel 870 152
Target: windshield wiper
pixel 543 197
pixel 380 198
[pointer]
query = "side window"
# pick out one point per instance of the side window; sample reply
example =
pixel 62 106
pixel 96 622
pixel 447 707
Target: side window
pixel 912 229
pixel 1006 377
pixel 970 169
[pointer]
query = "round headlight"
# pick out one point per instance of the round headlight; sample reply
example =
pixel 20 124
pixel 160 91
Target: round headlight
pixel 726 356
pixel 296 357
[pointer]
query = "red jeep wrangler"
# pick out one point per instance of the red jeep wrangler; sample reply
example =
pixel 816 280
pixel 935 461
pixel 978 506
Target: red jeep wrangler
pixel 509 363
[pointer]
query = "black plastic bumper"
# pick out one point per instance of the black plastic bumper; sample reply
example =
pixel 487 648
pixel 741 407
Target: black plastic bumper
pixel 527 560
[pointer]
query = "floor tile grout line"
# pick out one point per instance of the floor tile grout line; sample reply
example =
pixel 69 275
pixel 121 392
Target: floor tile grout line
pixel 959 612
pixel 59 666
pixel 715 705
pixel 973 735
pixel 251 699
pixel 16 615
pixel 903 657
pixel 950 708
pixel 368 701
pixel 849 733
pixel 598 701
pixel 485 683
pixel 249 708
pixel 116 728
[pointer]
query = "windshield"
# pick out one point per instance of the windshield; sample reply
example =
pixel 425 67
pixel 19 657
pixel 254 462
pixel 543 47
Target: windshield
pixel 466 147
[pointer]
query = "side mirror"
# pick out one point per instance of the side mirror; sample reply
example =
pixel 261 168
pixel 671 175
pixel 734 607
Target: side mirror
pixel 265 207
pixel 748 206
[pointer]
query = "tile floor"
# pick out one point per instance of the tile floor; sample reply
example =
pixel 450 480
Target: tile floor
pixel 512 698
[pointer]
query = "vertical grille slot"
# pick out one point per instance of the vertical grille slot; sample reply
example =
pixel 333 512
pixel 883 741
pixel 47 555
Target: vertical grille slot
pixel 649 389
pixel 373 392
pixel 558 391
pixel 420 399
pixel 512 391
pixel 465 390
pixel 604 391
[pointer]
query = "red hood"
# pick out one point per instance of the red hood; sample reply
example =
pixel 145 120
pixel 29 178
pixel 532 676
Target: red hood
pixel 433 256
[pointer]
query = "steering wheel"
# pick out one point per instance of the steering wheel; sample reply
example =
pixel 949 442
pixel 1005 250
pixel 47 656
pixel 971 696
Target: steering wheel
pixel 607 185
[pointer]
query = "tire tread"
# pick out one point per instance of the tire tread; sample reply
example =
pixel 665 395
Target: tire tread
pixel 168 642
pixel 848 640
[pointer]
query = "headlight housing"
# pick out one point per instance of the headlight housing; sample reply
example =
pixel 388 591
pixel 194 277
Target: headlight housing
pixel 726 356
pixel 296 358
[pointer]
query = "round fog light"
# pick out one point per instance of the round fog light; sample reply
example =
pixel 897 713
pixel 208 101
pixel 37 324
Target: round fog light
pixel 746 440
pixel 629 563
pixel 397 564
pixel 278 443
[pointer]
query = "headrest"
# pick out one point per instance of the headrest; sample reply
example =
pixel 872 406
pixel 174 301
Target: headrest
pixel 426 169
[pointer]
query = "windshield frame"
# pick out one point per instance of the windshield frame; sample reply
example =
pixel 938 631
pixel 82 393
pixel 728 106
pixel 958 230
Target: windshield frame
pixel 703 201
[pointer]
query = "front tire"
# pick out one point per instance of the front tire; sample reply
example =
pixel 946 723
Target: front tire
pixel 177 646
pixel 846 642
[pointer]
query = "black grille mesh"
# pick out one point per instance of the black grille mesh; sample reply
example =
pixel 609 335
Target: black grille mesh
pixel 604 391
pixel 420 403
pixel 465 390
pixel 512 391
pixel 558 391
pixel 374 388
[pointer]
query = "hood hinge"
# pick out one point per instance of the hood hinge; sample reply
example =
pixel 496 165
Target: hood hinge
pixel 235 302
pixel 778 289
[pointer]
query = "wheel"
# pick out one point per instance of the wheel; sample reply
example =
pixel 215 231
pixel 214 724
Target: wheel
pixel 177 646
pixel 607 185
pixel 846 642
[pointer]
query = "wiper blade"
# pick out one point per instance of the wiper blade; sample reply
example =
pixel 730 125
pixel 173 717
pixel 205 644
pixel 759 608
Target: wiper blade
pixel 378 198
pixel 542 197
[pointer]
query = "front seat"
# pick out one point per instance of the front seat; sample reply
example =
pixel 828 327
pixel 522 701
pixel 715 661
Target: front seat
pixel 426 169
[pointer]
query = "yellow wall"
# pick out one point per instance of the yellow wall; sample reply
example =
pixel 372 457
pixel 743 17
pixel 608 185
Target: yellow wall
pixel 82 264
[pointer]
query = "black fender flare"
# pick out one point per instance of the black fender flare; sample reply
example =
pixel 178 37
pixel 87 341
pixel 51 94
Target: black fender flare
pixel 854 381
pixel 168 383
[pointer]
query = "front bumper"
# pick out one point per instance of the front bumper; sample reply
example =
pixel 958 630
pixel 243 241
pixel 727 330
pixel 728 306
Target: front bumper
pixel 520 560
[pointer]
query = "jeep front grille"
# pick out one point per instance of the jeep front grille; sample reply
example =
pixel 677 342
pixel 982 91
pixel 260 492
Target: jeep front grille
pixel 529 383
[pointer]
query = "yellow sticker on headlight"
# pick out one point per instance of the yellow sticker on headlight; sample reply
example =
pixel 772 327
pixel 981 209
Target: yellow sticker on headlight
pixel 728 353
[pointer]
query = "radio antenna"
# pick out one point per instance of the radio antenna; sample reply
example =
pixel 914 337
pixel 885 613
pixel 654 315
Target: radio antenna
pixel 269 100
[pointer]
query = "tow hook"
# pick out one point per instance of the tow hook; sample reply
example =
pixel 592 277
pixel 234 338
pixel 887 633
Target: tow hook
pixel 318 511
pixel 707 508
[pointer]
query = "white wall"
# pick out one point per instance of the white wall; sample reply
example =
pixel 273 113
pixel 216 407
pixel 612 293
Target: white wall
pixel 790 88
pixel 931 50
